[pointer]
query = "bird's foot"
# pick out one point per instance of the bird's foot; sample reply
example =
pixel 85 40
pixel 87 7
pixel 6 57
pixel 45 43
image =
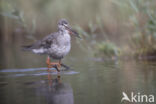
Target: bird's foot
pixel 54 65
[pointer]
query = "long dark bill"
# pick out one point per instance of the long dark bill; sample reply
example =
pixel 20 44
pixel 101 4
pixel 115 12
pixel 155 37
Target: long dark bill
pixel 72 31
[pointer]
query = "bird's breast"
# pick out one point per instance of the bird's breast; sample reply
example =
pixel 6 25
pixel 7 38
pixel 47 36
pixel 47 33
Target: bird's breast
pixel 58 52
pixel 62 47
pixel 64 39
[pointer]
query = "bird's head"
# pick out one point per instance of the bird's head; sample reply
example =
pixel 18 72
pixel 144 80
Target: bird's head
pixel 63 25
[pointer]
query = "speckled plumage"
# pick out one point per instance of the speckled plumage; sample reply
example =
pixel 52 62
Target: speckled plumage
pixel 56 45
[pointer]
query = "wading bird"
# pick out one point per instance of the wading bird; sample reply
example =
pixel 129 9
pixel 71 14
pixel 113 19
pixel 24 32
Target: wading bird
pixel 56 45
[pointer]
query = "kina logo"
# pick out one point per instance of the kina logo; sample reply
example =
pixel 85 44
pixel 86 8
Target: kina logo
pixel 137 97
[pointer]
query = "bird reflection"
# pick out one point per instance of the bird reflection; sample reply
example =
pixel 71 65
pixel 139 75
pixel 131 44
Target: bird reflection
pixel 56 91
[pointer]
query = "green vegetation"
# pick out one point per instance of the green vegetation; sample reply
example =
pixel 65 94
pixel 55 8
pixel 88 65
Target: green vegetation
pixel 9 11
pixel 107 49
pixel 144 20
pixel 98 48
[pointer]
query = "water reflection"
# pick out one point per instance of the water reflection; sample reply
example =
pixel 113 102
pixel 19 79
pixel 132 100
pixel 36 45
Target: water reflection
pixel 56 91
pixel 93 82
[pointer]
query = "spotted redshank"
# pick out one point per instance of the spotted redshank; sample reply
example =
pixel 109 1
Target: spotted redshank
pixel 56 45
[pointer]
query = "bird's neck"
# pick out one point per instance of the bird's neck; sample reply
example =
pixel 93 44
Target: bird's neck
pixel 62 32
pixel 64 37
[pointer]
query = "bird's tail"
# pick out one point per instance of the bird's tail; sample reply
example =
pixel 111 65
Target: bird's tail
pixel 27 48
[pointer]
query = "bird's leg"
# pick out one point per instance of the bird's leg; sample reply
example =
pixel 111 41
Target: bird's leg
pixel 59 66
pixel 55 65
pixel 48 63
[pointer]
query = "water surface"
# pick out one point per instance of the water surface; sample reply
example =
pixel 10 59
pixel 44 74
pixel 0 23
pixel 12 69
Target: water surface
pixel 24 79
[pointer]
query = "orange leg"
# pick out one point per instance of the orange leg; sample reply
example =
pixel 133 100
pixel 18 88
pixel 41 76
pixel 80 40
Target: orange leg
pixel 55 65
pixel 48 62
pixel 59 65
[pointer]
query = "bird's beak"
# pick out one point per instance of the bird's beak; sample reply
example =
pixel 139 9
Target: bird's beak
pixel 71 31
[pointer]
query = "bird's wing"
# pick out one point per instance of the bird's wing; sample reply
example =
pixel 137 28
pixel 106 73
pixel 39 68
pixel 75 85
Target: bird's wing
pixel 44 43
pixel 48 40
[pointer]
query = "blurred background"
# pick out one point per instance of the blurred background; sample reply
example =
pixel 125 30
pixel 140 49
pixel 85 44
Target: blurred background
pixel 115 35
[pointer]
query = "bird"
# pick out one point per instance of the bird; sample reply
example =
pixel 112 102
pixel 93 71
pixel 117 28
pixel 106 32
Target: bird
pixel 55 45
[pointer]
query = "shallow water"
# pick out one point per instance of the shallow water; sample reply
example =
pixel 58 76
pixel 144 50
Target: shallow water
pixel 24 80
